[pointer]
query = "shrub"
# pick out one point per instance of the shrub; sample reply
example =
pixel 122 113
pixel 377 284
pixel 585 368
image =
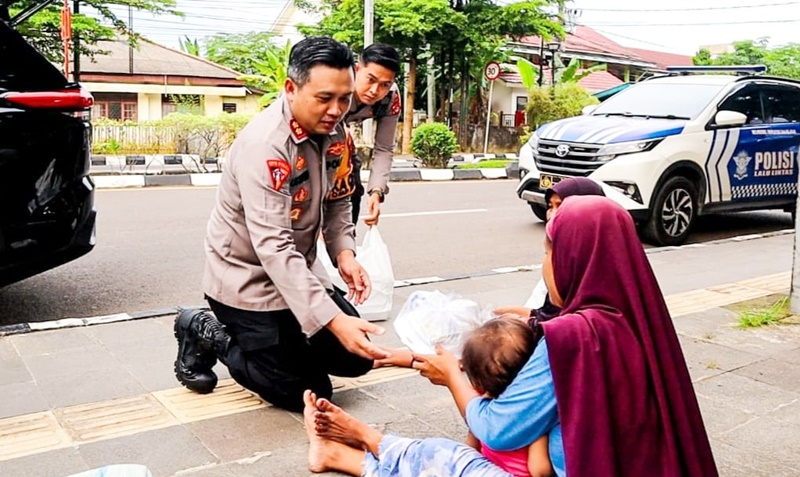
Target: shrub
pixel 551 103
pixel 434 144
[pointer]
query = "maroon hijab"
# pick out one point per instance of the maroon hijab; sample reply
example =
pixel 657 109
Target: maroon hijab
pixel 573 186
pixel 625 400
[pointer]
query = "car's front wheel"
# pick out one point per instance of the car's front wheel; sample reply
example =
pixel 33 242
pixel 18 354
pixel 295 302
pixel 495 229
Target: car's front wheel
pixel 674 212
pixel 539 211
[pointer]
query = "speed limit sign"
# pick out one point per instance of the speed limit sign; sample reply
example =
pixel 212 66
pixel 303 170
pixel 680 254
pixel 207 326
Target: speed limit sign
pixel 492 71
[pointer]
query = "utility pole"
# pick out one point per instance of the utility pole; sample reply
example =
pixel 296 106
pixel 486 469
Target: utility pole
pixel 431 88
pixel 76 39
pixel 130 47
pixel 369 38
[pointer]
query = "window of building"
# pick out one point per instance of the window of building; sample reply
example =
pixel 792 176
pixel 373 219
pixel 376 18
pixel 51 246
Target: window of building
pixel 117 106
pixel 229 107
pixel 181 103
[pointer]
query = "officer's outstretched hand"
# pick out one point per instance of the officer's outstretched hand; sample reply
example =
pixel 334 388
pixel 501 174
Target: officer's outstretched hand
pixel 354 275
pixel 373 209
pixel 352 333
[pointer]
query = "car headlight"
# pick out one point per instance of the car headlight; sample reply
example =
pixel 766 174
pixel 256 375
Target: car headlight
pixel 533 142
pixel 610 151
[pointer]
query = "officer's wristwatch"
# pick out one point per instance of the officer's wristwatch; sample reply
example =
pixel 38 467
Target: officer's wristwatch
pixel 380 194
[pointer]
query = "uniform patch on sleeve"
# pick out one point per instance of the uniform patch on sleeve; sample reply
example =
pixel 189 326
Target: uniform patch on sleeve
pixel 279 171
pixel 301 195
pixel 300 164
pixel 296 213
pixel 396 106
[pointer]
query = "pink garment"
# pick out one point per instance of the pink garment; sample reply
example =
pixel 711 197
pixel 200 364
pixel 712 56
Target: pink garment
pixel 514 462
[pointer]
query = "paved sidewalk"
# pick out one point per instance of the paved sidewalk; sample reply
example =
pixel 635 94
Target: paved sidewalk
pixel 80 398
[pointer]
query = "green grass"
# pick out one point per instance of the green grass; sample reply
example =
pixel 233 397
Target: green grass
pixel 770 315
pixel 490 164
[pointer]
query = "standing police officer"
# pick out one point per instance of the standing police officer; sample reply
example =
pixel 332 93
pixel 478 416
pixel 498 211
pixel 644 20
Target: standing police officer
pixel 376 97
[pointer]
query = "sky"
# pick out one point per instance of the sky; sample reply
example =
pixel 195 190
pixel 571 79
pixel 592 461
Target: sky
pixel 678 26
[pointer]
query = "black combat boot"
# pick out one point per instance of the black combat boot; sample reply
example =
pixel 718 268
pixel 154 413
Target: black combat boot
pixel 200 337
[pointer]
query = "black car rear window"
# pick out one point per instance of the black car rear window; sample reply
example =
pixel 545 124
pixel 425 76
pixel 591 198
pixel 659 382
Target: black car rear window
pixel 22 68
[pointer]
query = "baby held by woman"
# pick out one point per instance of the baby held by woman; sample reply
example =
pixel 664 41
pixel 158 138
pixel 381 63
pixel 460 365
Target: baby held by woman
pixel 492 357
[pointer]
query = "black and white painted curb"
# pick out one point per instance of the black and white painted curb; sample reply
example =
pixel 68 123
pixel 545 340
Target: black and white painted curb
pixel 21 328
pixel 118 181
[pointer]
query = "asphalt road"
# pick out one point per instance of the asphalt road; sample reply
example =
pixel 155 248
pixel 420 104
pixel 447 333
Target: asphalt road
pixel 149 246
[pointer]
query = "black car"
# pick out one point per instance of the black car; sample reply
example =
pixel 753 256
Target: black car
pixel 47 215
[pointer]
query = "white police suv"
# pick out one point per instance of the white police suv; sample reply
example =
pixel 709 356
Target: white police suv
pixel 677 146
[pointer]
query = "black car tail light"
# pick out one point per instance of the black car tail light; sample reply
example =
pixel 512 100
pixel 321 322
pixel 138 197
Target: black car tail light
pixel 70 100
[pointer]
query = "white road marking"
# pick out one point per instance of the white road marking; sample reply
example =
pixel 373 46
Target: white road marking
pixel 432 212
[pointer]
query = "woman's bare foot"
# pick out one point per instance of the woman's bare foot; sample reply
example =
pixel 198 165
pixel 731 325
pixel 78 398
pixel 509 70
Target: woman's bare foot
pixel 317 455
pixel 331 422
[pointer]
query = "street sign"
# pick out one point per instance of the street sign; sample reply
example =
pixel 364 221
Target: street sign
pixel 492 71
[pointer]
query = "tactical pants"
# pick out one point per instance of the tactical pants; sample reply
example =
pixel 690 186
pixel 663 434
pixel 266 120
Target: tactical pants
pixel 270 355
pixel 358 193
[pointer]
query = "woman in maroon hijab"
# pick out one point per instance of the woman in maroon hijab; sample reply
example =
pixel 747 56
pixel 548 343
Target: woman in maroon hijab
pixel 624 401
pixel 608 383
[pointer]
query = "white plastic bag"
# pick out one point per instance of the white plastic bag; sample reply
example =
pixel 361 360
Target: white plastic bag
pixel 373 255
pixel 429 318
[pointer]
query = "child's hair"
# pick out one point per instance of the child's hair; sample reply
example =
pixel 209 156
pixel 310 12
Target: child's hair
pixel 494 354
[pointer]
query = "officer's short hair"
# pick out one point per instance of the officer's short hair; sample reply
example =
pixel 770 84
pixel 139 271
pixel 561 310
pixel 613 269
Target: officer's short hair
pixel 317 50
pixel 382 54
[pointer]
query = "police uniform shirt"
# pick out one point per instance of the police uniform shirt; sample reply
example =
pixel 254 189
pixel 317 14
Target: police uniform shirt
pixel 278 188
pixel 385 113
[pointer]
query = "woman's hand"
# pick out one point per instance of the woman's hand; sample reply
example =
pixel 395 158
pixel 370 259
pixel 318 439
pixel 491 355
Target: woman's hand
pixel 441 369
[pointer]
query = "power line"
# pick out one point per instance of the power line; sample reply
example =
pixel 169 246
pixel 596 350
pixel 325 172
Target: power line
pixel 695 9
pixel 748 22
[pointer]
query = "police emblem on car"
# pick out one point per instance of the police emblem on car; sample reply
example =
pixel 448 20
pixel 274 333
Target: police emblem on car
pixel 562 150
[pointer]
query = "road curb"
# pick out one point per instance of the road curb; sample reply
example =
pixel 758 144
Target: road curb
pixel 211 179
pixel 22 328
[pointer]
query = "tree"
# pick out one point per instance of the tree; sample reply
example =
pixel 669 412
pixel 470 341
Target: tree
pixel 780 61
pixel 462 34
pixel 43 29
pixel 271 73
pixel 241 52
pixel 408 25
pixel 189 45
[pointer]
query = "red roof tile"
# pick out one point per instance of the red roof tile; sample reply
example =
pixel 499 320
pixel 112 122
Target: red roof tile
pixel 584 39
pixel 597 81
pixel 662 59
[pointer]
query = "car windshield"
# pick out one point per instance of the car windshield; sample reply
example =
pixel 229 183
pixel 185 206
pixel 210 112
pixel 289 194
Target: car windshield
pixel 660 100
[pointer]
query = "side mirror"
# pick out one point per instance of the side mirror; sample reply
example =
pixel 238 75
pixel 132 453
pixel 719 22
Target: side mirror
pixel 587 110
pixel 724 119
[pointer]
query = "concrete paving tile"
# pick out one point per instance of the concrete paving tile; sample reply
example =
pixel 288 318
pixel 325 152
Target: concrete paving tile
pixel 87 387
pixel 122 333
pixel 244 435
pixel 744 393
pixel 447 421
pixel 213 470
pixel 719 417
pixel 70 362
pixel 790 356
pixel 705 323
pixel 366 406
pixel 21 398
pixel 56 463
pixel 413 428
pixel 746 461
pixel 164 451
pixel 7 349
pixel 48 342
pixel 766 341
pixel 775 372
pixel 289 462
pixel 766 438
pixel 13 370
pixel 705 359
pixel 789 413
pixel 414 395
